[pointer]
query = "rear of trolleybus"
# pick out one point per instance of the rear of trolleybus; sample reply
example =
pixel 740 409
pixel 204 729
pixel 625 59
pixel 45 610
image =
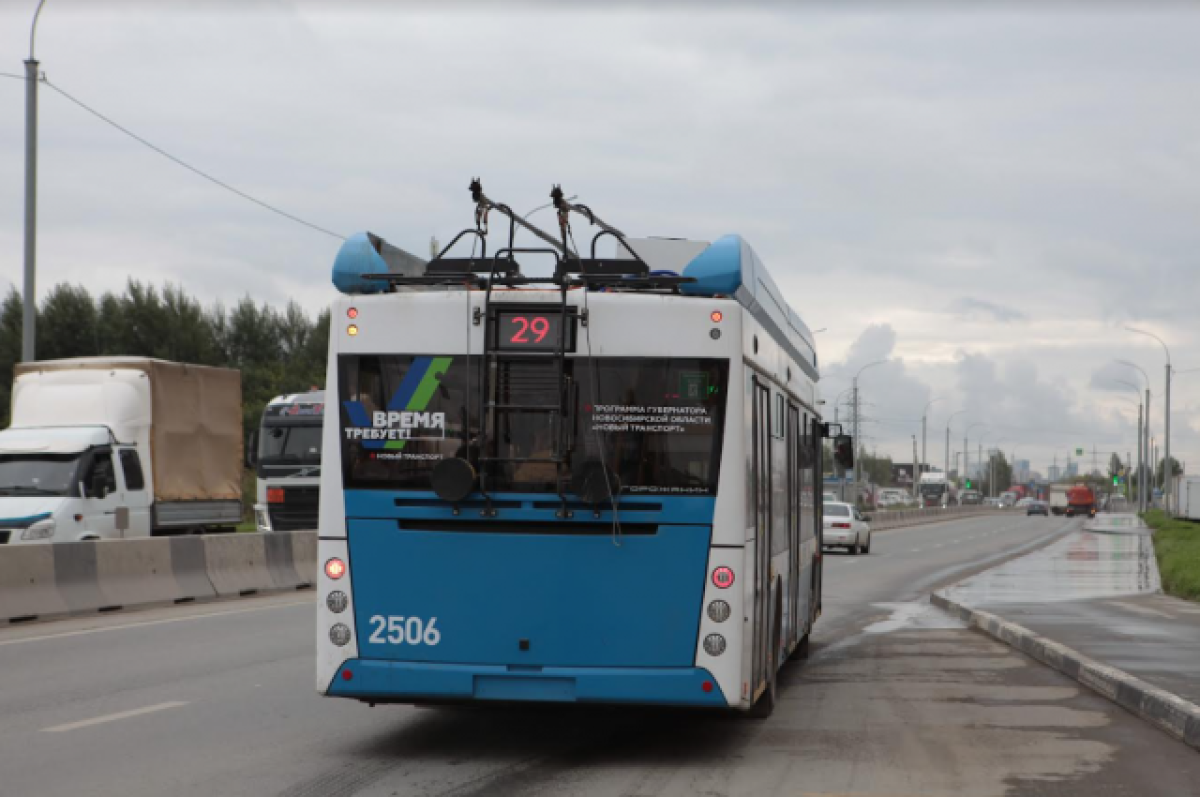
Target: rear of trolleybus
pixel 519 578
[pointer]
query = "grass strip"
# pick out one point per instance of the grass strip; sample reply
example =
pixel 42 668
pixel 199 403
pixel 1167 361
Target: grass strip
pixel 1177 545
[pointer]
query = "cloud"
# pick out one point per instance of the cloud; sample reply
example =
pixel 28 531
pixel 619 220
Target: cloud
pixel 968 309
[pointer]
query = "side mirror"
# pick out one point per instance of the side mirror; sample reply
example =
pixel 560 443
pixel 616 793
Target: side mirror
pixel 843 451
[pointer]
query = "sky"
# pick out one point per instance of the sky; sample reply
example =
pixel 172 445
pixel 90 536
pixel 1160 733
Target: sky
pixel 984 198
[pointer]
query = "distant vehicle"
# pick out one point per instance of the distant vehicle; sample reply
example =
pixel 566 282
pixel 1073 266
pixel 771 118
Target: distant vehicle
pixel 1024 502
pixel 970 498
pixel 1021 491
pixel 115 447
pixel 994 503
pixel 1008 498
pixel 893 497
pixel 828 496
pixel 286 455
pixel 936 490
pixel 845 526
pixel 1037 508
pixel 1058 499
pixel 1117 504
pixel 1081 501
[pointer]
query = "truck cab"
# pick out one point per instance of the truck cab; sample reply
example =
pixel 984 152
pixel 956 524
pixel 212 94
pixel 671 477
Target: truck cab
pixel 70 483
pixel 286 454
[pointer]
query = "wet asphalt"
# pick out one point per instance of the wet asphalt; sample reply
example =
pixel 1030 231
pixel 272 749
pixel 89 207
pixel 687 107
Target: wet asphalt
pixel 897 699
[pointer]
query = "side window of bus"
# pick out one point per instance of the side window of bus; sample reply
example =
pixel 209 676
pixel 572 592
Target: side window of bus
pixel 777 428
pixel 131 467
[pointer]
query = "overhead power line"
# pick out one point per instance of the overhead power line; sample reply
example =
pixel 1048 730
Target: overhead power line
pixel 180 162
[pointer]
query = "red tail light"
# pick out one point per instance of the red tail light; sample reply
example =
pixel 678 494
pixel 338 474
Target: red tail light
pixel 335 569
pixel 274 495
pixel 723 577
pixel 841 525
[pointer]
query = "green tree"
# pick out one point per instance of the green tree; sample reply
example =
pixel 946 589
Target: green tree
pixel 998 470
pixel 1176 470
pixel 190 337
pixel 11 313
pixel 66 324
pixel 1115 466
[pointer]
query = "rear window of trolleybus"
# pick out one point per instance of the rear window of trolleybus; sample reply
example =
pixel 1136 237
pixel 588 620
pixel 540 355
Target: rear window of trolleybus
pixel 656 422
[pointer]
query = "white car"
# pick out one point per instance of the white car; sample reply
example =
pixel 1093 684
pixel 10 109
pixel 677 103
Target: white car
pixel 846 526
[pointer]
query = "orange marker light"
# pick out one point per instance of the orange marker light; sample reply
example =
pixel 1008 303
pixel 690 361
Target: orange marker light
pixel 352 330
pixel 716 316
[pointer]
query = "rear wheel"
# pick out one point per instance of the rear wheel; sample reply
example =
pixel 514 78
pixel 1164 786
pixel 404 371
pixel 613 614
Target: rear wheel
pixel 867 549
pixel 855 548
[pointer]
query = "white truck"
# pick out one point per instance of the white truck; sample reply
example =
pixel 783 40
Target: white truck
pixel 286 455
pixel 1058 498
pixel 937 490
pixel 1187 497
pixel 113 447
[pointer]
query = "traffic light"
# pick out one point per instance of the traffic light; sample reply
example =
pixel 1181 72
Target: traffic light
pixel 1116 481
pixel 968 484
pixel 843 451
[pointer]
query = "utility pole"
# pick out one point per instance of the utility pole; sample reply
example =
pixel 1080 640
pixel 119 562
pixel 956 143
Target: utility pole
pixel 1168 471
pixel 916 468
pixel 1141 465
pixel 857 450
pixel 29 306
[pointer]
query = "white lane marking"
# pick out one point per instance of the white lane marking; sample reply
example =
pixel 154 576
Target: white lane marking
pixel 956 540
pixel 939 545
pixel 84 631
pixel 120 715
pixel 916 550
pixel 1146 610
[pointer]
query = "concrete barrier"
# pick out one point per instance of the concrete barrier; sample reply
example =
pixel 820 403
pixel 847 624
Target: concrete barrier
pixel 39 581
pixel 135 572
pixel 237 564
pixel 27 587
pixel 903 518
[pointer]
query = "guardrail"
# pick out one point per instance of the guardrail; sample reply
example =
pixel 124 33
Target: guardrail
pixel 901 518
pixel 39 581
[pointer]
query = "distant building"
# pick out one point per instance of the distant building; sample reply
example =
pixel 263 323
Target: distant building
pixel 1021 471
pixel 1055 473
pixel 1072 470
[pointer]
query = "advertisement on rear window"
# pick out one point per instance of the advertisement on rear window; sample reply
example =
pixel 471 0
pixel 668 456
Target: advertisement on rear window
pixel 655 423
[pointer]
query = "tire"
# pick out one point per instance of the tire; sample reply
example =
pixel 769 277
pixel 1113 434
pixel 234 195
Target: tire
pixel 855 548
pixel 867 549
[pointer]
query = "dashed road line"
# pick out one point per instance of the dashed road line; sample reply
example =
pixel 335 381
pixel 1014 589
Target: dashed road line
pixel 120 715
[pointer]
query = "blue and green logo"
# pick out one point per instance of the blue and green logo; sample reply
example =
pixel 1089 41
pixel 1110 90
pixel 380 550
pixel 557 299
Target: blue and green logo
pixel 406 416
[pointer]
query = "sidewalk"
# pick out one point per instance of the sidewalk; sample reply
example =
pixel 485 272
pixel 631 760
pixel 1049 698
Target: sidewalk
pixel 1098 594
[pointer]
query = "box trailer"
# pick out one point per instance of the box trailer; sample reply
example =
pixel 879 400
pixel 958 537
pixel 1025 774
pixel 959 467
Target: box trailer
pixel 104 447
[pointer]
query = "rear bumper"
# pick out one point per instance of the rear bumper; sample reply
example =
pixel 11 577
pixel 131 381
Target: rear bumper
pixel 409 682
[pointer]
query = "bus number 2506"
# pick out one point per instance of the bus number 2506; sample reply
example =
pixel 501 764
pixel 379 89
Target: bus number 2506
pixel 402 630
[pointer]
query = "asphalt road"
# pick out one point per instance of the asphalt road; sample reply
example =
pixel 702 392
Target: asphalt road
pixel 896 700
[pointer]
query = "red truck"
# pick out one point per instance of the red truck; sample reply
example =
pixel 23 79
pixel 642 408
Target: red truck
pixel 1081 501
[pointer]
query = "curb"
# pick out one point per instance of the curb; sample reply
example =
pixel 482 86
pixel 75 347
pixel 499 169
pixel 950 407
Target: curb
pixel 1166 711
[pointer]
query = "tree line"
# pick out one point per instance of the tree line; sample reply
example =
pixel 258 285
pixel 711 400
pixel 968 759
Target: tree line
pixel 277 351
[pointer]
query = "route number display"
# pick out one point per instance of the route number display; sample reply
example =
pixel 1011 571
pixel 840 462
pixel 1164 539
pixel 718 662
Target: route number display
pixel 531 331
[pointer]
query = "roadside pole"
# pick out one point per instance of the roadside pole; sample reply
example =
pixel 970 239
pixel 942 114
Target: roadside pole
pixel 29 306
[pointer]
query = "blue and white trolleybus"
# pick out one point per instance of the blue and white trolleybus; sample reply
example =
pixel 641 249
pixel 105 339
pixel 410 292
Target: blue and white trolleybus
pixel 597 486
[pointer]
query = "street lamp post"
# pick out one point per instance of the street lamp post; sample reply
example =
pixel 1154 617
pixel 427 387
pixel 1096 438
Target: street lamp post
pixel 1166 420
pixel 1146 437
pixel 924 418
pixel 1141 475
pixel 29 305
pixel 967 450
pixel 948 422
pixel 854 387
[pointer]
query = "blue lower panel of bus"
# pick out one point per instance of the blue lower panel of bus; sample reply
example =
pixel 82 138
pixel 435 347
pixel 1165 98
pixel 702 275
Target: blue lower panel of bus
pixel 405 680
pixel 512 599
